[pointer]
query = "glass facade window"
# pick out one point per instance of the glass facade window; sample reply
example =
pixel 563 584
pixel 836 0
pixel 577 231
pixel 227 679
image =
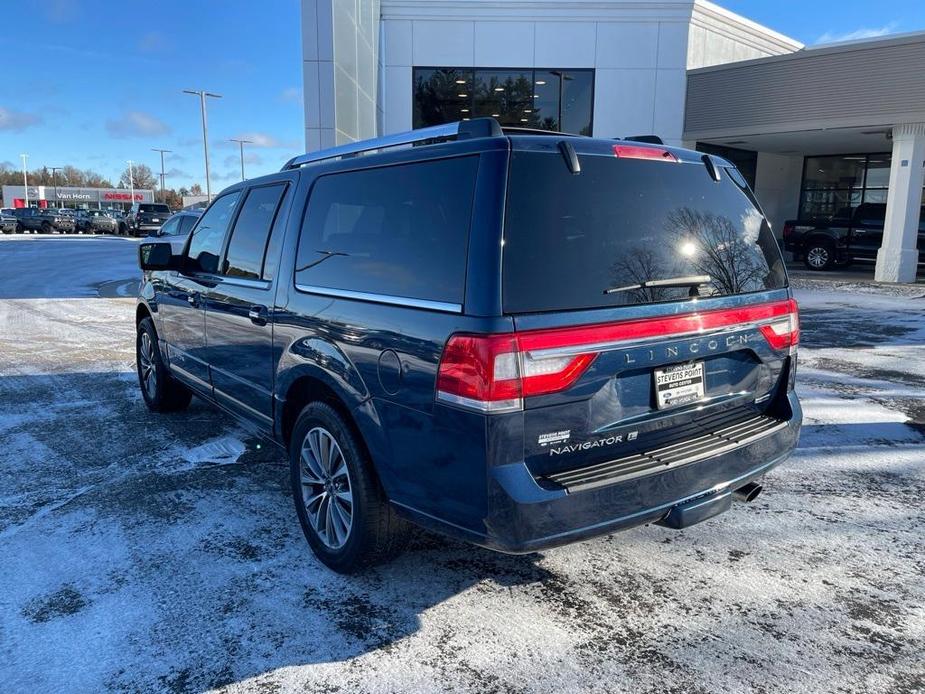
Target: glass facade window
pixel 558 100
pixel 834 186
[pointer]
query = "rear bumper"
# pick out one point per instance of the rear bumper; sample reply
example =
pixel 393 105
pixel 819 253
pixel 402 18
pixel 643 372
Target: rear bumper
pixel 525 517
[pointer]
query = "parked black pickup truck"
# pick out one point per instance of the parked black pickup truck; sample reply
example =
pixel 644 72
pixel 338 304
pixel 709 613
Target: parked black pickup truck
pixel 852 235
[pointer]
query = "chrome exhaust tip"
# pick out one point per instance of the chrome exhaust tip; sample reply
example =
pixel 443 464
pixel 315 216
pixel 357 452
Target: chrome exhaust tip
pixel 749 492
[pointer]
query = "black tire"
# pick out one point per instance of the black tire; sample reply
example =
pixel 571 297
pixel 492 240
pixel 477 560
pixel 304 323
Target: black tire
pixel 375 533
pixel 165 393
pixel 819 255
pixel 46 228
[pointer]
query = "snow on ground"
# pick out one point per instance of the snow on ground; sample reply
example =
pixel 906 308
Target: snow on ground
pixel 162 553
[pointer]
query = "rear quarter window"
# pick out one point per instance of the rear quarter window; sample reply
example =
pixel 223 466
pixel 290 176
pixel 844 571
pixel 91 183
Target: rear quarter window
pixel 398 231
pixel 619 223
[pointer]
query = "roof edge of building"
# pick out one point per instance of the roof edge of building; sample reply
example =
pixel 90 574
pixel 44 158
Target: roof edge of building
pixel 708 12
pixel 822 49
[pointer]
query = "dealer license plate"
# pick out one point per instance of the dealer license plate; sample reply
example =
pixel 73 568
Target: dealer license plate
pixel 679 384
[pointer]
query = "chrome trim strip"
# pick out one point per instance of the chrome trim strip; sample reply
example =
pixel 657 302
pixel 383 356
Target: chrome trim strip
pixel 489 407
pixel 244 282
pixel 405 301
pixel 575 350
pixel 183 373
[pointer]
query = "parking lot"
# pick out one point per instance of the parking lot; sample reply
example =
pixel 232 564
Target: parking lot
pixel 147 552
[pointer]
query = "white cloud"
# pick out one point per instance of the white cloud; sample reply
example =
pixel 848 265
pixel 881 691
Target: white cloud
pixel 858 34
pixel 136 124
pixel 233 175
pixel 291 95
pixel 17 121
pixel 249 158
pixel 260 140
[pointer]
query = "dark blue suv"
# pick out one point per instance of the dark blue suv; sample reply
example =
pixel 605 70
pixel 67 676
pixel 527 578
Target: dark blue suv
pixel 519 340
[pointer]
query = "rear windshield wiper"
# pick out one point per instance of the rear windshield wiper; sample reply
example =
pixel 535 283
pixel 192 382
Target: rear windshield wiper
pixel 688 281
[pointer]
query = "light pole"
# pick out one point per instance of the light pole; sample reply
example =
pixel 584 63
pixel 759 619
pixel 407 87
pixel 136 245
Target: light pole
pixel 205 131
pixel 241 143
pixel 25 183
pixel 54 178
pixel 131 179
pixel 162 151
pixel 563 76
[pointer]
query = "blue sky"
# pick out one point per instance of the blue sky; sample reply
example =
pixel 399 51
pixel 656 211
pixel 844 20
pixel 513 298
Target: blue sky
pixel 91 85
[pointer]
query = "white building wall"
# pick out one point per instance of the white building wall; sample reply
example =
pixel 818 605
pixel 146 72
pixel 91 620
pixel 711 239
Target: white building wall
pixel 777 187
pixel 640 51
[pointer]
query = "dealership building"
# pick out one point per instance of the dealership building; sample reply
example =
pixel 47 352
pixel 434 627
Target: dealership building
pixel 67 196
pixel 816 131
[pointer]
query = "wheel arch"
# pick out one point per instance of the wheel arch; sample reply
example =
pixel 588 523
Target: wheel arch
pixel 315 385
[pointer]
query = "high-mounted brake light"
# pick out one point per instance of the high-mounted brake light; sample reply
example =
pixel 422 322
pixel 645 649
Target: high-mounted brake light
pixel 494 373
pixel 637 152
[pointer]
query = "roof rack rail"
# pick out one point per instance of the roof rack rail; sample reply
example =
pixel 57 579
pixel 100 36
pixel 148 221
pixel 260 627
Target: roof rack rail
pixel 461 130
pixel 518 130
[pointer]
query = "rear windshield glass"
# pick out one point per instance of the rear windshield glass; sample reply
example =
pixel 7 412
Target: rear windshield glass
pixel 153 208
pixel 620 223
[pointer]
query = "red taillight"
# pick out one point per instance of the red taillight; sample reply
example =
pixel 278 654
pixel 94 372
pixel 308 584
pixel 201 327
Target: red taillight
pixel 493 373
pixel 787 230
pixel 785 332
pixel 637 152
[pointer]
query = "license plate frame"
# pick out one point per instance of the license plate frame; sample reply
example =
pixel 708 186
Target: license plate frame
pixel 679 384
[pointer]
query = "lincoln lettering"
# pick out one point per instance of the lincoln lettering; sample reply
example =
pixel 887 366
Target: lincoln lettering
pixel 651 355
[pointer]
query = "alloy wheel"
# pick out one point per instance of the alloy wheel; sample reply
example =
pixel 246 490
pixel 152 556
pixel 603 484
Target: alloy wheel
pixel 326 490
pixel 817 257
pixel 147 366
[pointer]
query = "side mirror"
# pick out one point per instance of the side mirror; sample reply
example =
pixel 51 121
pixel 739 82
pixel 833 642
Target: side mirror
pixel 157 256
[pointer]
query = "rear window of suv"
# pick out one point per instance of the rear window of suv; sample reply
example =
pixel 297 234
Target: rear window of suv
pixel 621 222
pixel 394 231
pixel 162 209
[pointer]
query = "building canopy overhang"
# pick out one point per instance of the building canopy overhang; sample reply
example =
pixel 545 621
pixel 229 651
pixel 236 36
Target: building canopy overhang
pixel 856 97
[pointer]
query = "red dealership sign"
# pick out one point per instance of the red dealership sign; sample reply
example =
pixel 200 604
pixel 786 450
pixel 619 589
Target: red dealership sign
pixel 124 196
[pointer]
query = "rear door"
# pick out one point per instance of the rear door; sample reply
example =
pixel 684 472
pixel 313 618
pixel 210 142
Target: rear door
pixel 239 306
pixel 638 287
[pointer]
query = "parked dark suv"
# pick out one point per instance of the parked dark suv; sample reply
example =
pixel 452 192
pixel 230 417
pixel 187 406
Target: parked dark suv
pixel 519 340
pixel 145 218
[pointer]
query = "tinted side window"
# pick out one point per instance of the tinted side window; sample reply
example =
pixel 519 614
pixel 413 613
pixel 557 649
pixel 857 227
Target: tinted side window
pixel 205 246
pixel 249 237
pixel 171 227
pixel 186 223
pixel 398 230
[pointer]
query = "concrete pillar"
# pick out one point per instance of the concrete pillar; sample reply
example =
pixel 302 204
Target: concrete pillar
pixel 898 257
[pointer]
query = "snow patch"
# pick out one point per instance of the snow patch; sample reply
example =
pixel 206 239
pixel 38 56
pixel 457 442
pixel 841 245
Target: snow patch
pixel 221 451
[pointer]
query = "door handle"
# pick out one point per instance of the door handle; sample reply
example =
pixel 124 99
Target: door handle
pixel 258 315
